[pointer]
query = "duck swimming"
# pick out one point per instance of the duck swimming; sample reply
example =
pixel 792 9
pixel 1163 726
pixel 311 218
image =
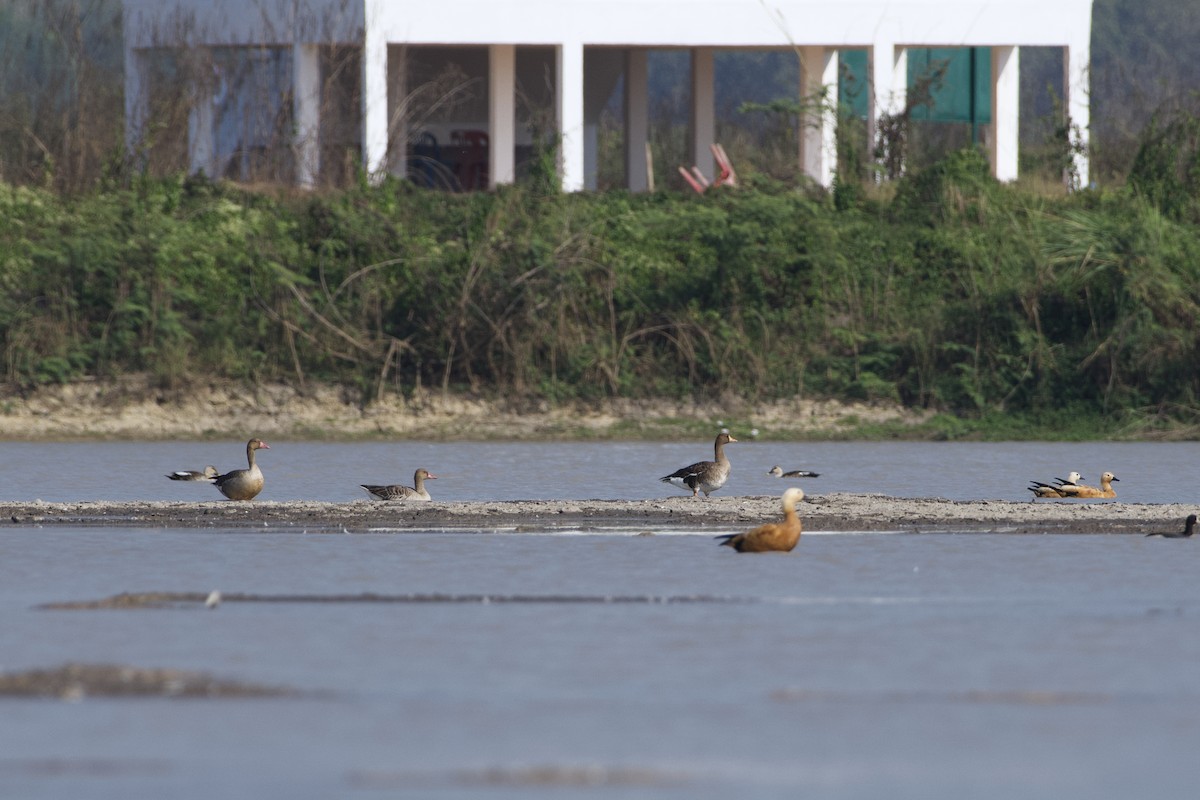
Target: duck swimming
pixel 778 472
pixel 778 537
pixel 209 474
pixel 1188 525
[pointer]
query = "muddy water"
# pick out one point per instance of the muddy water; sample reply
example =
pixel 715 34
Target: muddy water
pixel 860 666
pixel 1148 472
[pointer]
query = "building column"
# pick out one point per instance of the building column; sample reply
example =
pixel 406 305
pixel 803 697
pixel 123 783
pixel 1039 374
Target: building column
pixel 136 102
pixel 374 96
pixel 569 108
pixel 889 85
pixel 704 114
pixel 502 114
pixel 306 112
pixel 1006 106
pixel 202 130
pixel 637 120
pixel 818 124
pixel 1076 65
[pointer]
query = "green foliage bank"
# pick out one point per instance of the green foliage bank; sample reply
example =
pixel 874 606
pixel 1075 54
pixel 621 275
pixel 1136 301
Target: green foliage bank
pixel 956 294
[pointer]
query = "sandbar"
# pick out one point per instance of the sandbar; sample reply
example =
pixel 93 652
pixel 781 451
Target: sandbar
pixel 830 512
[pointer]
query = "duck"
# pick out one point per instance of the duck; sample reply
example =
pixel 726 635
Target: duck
pixel 1044 490
pixel 1081 491
pixel 778 472
pixel 773 536
pixel 243 484
pixel 1072 478
pixel 416 492
pixel 1188 525
pixel 1047 490
pixel 209 474
pixel 704 476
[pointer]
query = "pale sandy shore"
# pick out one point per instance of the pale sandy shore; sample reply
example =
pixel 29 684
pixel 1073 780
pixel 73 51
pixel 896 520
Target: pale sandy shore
pixel 831 512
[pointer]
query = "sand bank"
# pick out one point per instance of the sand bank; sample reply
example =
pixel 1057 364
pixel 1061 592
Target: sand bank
pixel 131 407
pixel 830 512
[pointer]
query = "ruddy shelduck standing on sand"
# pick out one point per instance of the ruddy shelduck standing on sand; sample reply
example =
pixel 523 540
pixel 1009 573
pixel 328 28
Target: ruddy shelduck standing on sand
pixel 244 484
pixel 1188 525
pixel 778 537
pixel 705 476
pixel 416 492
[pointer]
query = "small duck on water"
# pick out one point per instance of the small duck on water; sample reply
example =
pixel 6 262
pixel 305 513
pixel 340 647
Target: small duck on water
pixel 208 475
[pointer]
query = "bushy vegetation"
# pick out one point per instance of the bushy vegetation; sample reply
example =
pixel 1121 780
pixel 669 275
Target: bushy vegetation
pixel 956 294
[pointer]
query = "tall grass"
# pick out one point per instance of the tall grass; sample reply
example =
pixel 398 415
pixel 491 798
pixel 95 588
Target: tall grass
pixel 956 294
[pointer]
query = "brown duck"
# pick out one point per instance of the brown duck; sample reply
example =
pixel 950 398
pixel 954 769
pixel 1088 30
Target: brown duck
pixel 774 536
pixel 1040 489
pixel 244 484
pixel 704 476
pixel 416 492
pixel 1082 491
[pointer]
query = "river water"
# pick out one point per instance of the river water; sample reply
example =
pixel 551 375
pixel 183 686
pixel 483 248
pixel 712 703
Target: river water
pixel 932 666
pixel 73 471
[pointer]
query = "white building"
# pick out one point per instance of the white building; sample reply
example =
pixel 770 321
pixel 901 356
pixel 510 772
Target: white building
pixel 584 48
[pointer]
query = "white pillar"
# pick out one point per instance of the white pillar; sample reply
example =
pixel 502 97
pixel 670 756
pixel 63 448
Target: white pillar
pixel 637 119
pixel 1006 105
pixel 306 112
pixel 502 114
pixel 818 126
pixel 704 115
pixel 591 155
pixel 202 131
pixel 569 108
pixel 397 117
pixel 1076 64
pixel 136 89
pixel 889 85
pixel 374 95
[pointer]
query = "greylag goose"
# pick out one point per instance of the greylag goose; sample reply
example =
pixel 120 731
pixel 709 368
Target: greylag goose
pixel 704 476
pixel 209 474
pixel 773 536
pixel 416 492
pixel 1079 490
pixel 1188 525
pixel 778 472
pixel 244 484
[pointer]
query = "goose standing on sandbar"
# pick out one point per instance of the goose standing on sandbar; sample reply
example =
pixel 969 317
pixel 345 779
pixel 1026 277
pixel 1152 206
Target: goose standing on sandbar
pixel 704 476
pixel 209 474
pixel 777 537
pixel 416 492
pixel 244 484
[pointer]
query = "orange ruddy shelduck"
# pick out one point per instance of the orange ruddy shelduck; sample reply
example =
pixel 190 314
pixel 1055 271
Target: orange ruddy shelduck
pixel 774 536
